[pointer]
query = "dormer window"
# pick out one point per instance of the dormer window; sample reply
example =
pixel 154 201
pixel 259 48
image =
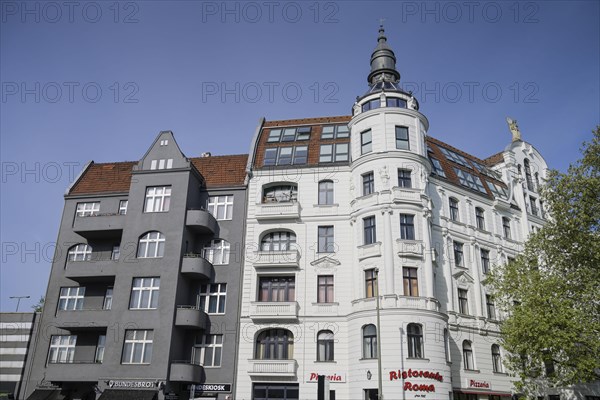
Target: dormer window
pixel 371 105
pixel 335 132
pixel 289 134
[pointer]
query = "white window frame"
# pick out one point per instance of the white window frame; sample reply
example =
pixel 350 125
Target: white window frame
pixel 100 348
pixel 212 293
pixel 366 142
pixel 154 238
pixel 88 209
pixel 137 339
pixel 123 207
pixel 201 355
pixel 325 196
pixel 71 298
pixel 80 252
pixel 217 252
pixel 224 202
pixel 158 199
pixel 62 349
pixel 144 293
pixel 108 298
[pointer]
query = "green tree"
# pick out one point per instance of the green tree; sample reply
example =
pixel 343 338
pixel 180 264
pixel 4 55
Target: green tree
pixel 39 306
pixel 551 292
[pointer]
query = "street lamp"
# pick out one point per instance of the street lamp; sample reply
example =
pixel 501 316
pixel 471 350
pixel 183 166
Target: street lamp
pixel 18 300
pixel 379 377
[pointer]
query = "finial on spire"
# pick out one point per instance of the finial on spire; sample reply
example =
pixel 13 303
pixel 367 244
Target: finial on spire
pixel 383 61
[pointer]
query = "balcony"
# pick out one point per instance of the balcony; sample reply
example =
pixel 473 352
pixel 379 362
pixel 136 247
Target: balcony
pixel 99 226
pixel 202 222
pixel 406 195
pixel 76 371
pixel 369 250
pixel 190 317
pixel 274 310
pixel 418 303
pixel 265 259
pixel 80 320
pixel 410 248
pixel 390 301
pixel 196 266
pixel 184 371
pixel 272 368
pixel 87 270
pixel 278 210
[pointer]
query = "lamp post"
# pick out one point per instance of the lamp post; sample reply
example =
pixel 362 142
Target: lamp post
pixel 379 377
pixel 18 300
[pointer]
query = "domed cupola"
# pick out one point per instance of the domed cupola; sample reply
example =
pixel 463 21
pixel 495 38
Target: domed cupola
pixel 383 64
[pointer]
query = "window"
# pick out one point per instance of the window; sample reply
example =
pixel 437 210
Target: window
pixel 326 192
pixel 369 230
pixel 407 227
pixel 325 289
pixel 274 344
pixel 463 301
pixel 88 209
pixel 497 190
pixel 437 167
pixel 212 297
pixel 217 252
pixel 530 186
pixel 278 241
pixel 485 261
pixel 447 345
pixel 366 142
pixel 328 154
pixel 458 254
pixel 289 134
pixel 207 350
pixel 277 288
pixel 292 155
pixel 371 105
pixel 123 207
pixel 496 358
pixel 491 307
pixel 163 163
pixel 371 287
pixel 325 346
pixel 144 293
pixel 221 207
pixel 468 355
pixel 116 252
pixel 368 183
pixel 280 193
pixel 62 348
pixel 100 346
pixel 80 252
pixel 335 131
pixel 402 138
pixel 414 333
pixel 534 209
pixel 454 216
pixel 71 298
pixel 138 346
pixel 369 334
pixel 404 179
pixel 480 218
pixel 267 391
pixel 326 244
pixel 371 394
pixel 151 245
pixel 455 157
pixel 506 227
pixel 411 281
pixel 469 180
pixel 108 298
pixel 158 199
pixel 395 102
pixel 270 157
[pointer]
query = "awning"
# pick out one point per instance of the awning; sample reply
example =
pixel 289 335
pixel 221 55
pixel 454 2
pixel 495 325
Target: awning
pixel 480 392
pixel 44 394
pixel 114 394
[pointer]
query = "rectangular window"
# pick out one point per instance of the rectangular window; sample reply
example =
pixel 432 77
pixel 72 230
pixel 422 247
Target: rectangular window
pixel 108 298
pixel 289 135
pixel 326 192
pixel 480 218
pixel 326 243
pixel 463 301
pixel 207 350
pixel 534 209
pixel 407 227
pixel 297 155
pixel 458 254
pixel 274 135
pixel 402 138
pixel 371 394
pixel 365 142
pixel 137 348
pixel 71 298
pixel 144 293
pixel 437 167
pixel 335 131
pixel 341 152
pixel 116 252
pixel 454 215
pixel 506 227
pixel 369 230
pixel 270 156
pixel 62 348
pixel 368 183
pixel 326 154
pixel 455 157
pixel 371 105
pixel 221 207
pixel 158 199
pixel 100 346
pixel 285 156
pixel 404 179
pixel 491 307
pixel 411 281
pixel 371 283
pixel 123 207
pixel 485 261
pixel 300 155
pixel 325 289
pixel 277 288
pixel 469 180
pixel 88 209
pixel 395 102
pixel 212 298
pixel 267 391
pixel 80 252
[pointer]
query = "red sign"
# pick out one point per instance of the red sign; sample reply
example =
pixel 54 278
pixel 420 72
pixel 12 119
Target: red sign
pixel 479 384
pixel 417 373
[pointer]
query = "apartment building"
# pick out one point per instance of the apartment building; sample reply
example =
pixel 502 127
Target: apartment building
pixel 16 332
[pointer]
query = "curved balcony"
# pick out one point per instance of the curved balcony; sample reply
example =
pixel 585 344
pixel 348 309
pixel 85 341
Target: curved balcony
pixel 278 210
pixel 184 371
pixel 265 259
pixel 406 195
pixel 99 226
pixel 272 368
pixel 196 266
pixel 201 221
pixel 390 301
pixel 410 248
pixel 274 310
pixel 369 250
pixel 190 317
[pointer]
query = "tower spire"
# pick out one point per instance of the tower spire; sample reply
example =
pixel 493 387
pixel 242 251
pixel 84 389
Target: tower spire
pixel 383 61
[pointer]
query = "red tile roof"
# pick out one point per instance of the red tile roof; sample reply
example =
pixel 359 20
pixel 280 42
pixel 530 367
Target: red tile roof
pixel 104 178
pixel 495 159
pixel 222 170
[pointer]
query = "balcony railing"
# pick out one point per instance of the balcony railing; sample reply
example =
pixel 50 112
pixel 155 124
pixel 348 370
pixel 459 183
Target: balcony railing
pixel 73 371
pixel 406 195
pixel 82 270
pixel 99 225
pixel 275 210
pixel 196 266
pixel 201 221
pixel 369 250
pixel 272 368
pixel 269 310
pixel 186 371
pixel 288 258
pixel 410 248
pixel 190 317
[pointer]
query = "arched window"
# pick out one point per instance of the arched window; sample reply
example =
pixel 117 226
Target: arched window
pixel 278 241
pixel 369 333
pixel 415 340
pixel 468 355
pixel 496 358
pixel 151 245
pixel 454 216
pixel 282 192
pixel 274 344
pixel 326 192
pixel 80 252
pixel 217 252
pixel 325 346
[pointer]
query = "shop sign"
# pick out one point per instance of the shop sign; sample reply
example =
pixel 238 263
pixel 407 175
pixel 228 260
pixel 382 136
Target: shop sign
pixel 214 387
pixel 133 384
pixel 416 387
pixel 332 378
pixel 472 383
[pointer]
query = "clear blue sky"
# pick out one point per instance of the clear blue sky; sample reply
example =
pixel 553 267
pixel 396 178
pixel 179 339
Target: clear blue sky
pixel 98 82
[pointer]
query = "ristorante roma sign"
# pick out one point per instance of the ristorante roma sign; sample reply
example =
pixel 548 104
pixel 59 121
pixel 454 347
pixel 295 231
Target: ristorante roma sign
pixel 418 374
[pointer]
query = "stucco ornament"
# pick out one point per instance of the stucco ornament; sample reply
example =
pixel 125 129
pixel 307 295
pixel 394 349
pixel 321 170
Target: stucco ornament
pixel 384 175
pixel 412 103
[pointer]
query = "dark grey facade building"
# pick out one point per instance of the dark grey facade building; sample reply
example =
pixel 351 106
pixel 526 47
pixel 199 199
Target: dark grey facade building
pixel 143 299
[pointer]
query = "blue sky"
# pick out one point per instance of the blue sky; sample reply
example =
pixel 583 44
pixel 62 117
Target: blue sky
pixel 99 80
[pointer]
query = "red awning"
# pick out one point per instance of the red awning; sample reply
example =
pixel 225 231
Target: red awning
pixel 486 393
